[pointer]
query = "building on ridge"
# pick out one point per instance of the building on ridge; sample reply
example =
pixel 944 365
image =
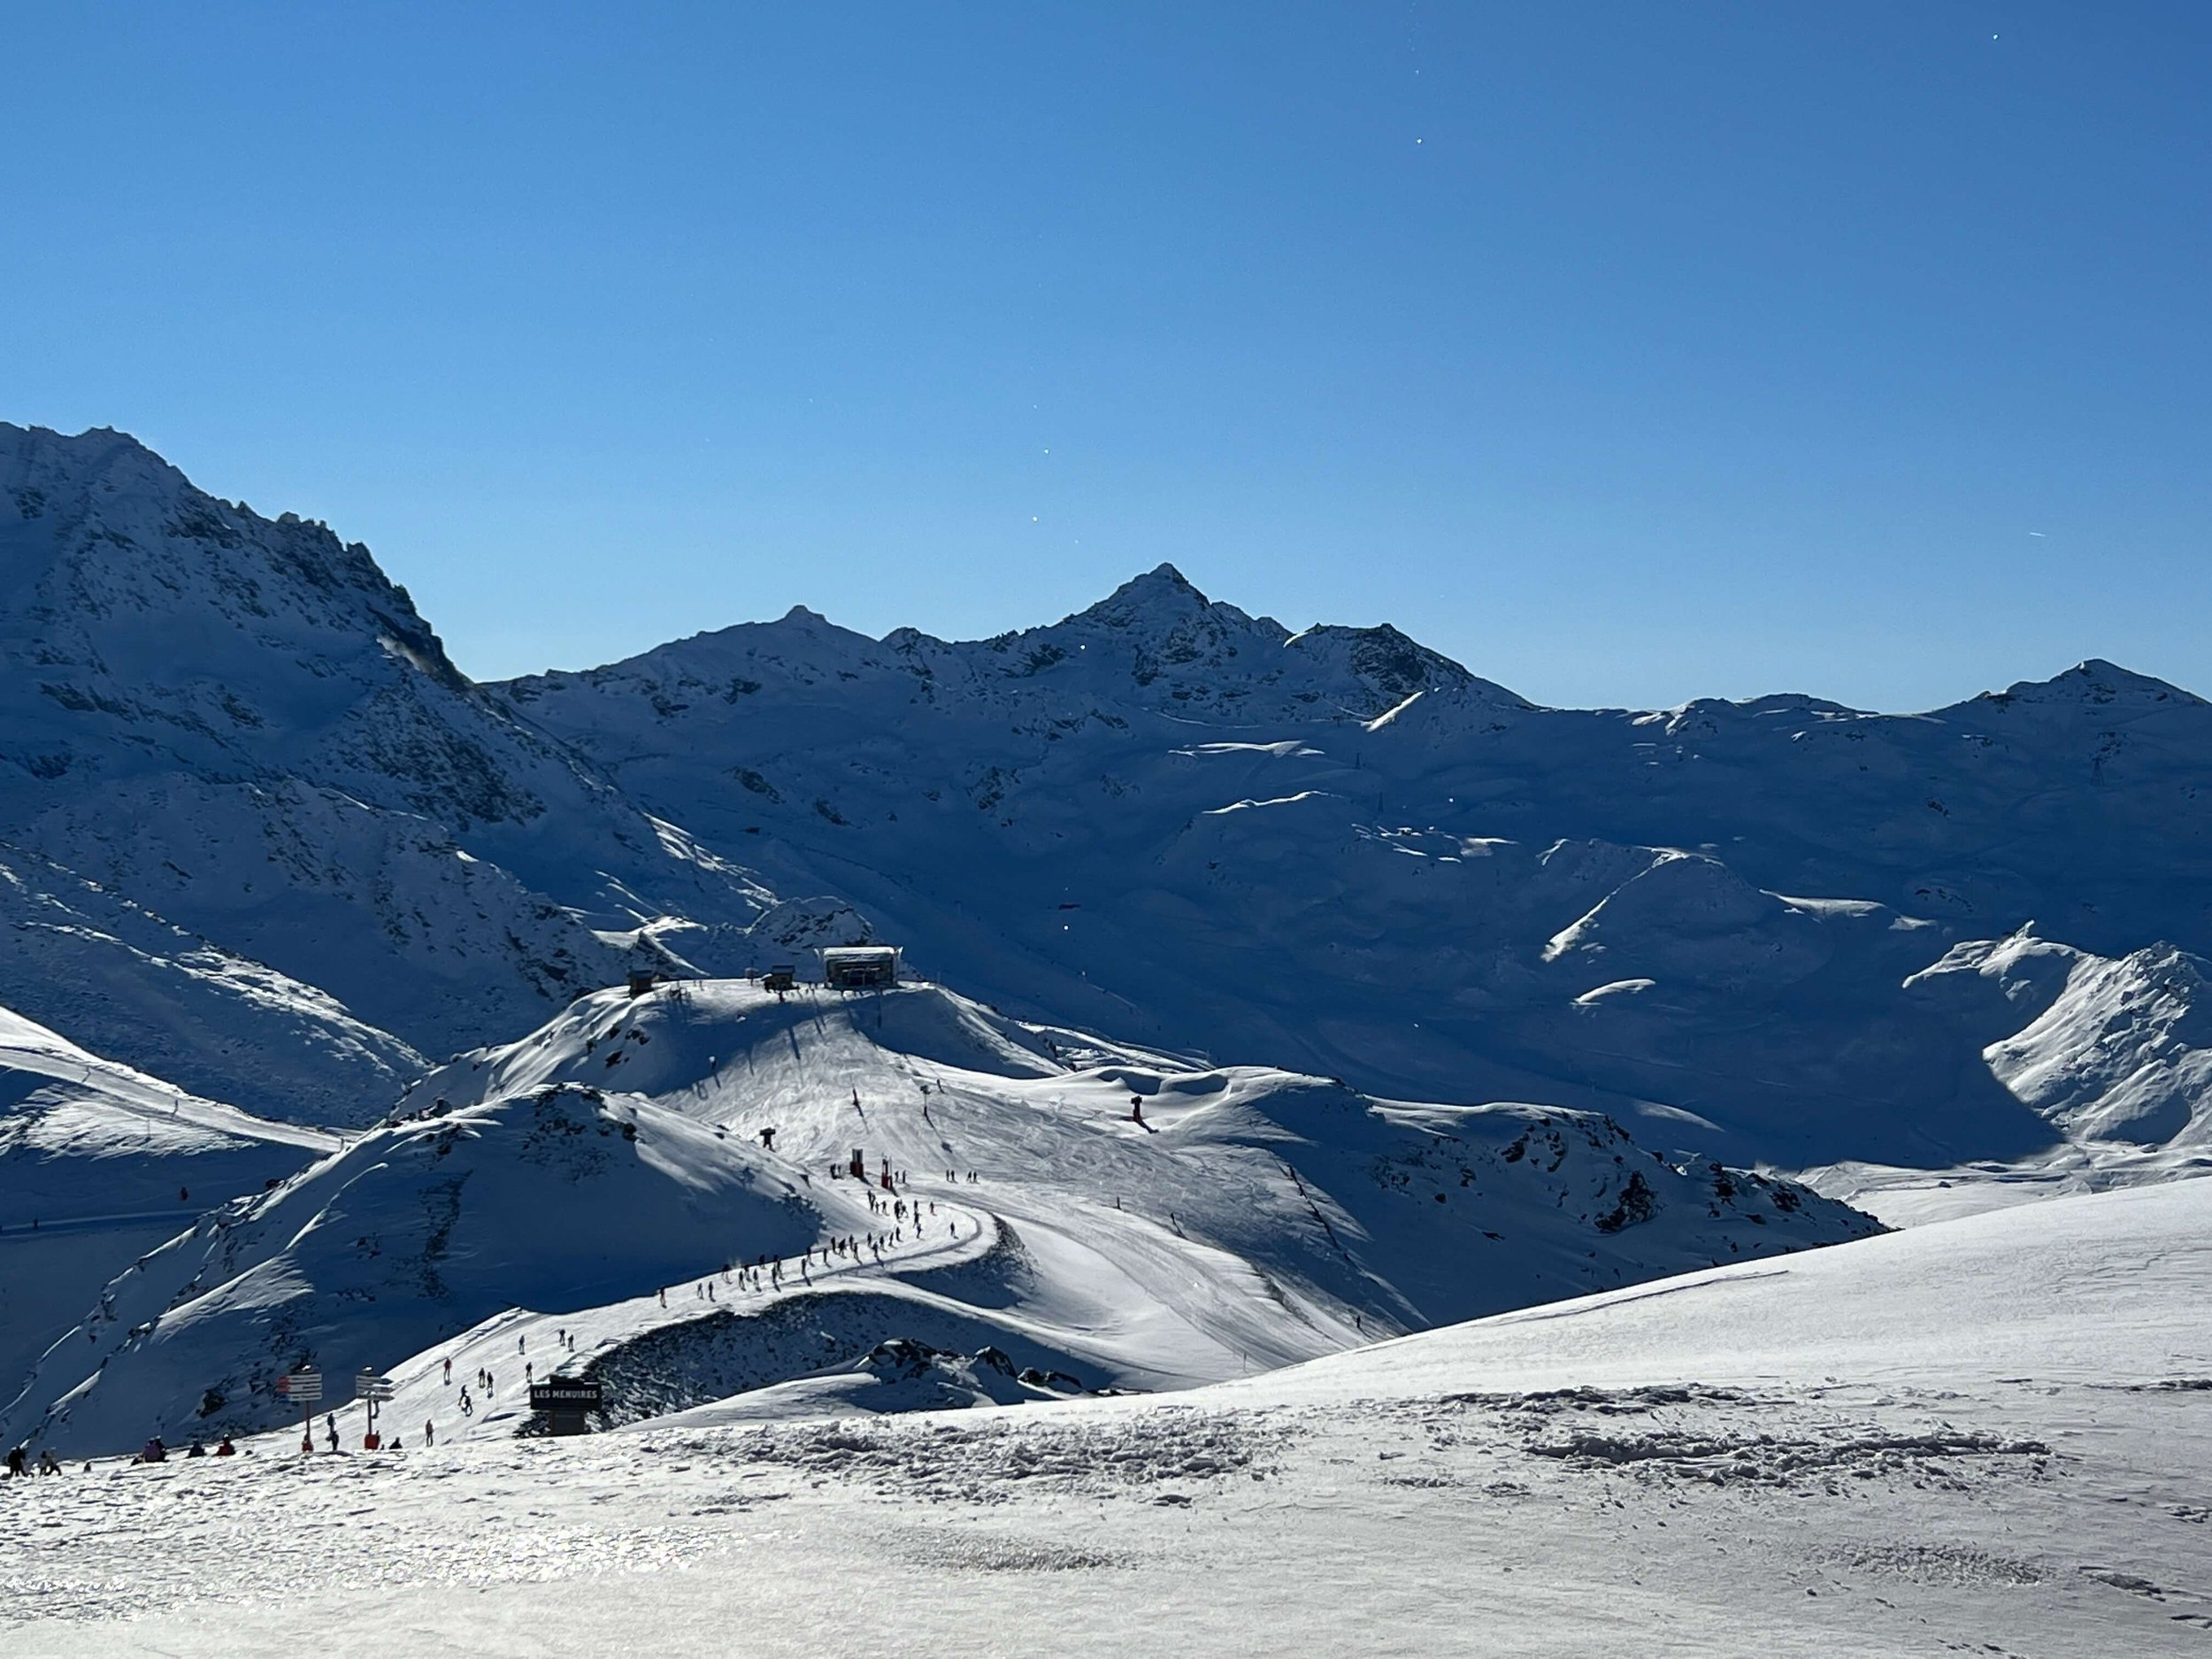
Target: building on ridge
pixel 860 967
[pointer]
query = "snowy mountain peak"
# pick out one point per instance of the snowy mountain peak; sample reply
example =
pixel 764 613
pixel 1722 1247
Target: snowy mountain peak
pixel 244 724
pixel 120 463
pixel 1162 591
pixel 117 560
pixel 1163 610
pixel 1389 664
pixel 2092 684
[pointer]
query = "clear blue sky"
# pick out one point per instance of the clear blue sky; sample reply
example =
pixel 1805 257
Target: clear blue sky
pixel 1628 352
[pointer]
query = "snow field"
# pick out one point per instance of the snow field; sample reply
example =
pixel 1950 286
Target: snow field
pixel 1735 1477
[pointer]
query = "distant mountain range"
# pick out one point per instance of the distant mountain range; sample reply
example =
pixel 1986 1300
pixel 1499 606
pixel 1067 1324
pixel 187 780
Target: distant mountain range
pixel 259 836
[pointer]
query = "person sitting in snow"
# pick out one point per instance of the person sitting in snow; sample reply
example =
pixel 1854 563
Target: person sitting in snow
pixel 226 1449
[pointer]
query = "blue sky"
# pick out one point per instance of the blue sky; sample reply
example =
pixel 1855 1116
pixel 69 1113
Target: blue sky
pixel 1627 352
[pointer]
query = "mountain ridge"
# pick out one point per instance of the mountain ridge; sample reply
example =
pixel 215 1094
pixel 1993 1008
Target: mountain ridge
pixel 1160 816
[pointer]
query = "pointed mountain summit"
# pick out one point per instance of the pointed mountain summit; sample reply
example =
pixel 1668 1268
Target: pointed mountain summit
pixel 1163 596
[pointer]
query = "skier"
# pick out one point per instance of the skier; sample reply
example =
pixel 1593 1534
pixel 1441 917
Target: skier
pixel 330 1427
pixel 226 1449
pixel 184 1195
pixel 15 1462
pixel 48 1463
pixel 449 1372
pixel 429 1433
pixel 768 1140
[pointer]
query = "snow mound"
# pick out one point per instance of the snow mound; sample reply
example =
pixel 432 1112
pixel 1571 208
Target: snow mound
pixel 2102 1288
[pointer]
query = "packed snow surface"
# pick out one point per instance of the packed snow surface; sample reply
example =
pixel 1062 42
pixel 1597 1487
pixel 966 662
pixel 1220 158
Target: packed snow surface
pixel 1982 1436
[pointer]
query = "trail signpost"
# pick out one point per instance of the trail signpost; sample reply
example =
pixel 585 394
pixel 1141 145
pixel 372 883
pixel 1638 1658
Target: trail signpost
pixel 302 1388
pixel 565 1401
pixel 372 1388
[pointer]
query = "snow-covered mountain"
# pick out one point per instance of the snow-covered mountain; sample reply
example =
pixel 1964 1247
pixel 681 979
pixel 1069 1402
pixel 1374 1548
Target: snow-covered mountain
pixel 240 725
pixel 1317 994
pixel 1234 1219
pixel 258 836
pixel 1163 817
pixel 1339 851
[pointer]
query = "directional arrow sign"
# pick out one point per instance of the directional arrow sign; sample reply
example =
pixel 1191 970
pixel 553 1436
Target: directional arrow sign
pixel 372 1386
pixel 300 1387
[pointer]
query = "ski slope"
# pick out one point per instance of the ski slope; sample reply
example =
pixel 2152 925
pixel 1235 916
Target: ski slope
pixel 1110 1215
pixel 99 1164
pixel 1978 1436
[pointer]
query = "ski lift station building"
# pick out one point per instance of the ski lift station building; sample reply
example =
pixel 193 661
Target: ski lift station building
pixel 860 967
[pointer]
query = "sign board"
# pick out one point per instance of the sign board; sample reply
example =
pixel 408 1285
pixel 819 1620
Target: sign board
pixel 372 1386
pixel 564 1393
pixel 300 1387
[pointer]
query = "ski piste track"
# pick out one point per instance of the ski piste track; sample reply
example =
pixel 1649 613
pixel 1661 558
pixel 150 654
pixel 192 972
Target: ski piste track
pixel 518 1347
pixel 878 1102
